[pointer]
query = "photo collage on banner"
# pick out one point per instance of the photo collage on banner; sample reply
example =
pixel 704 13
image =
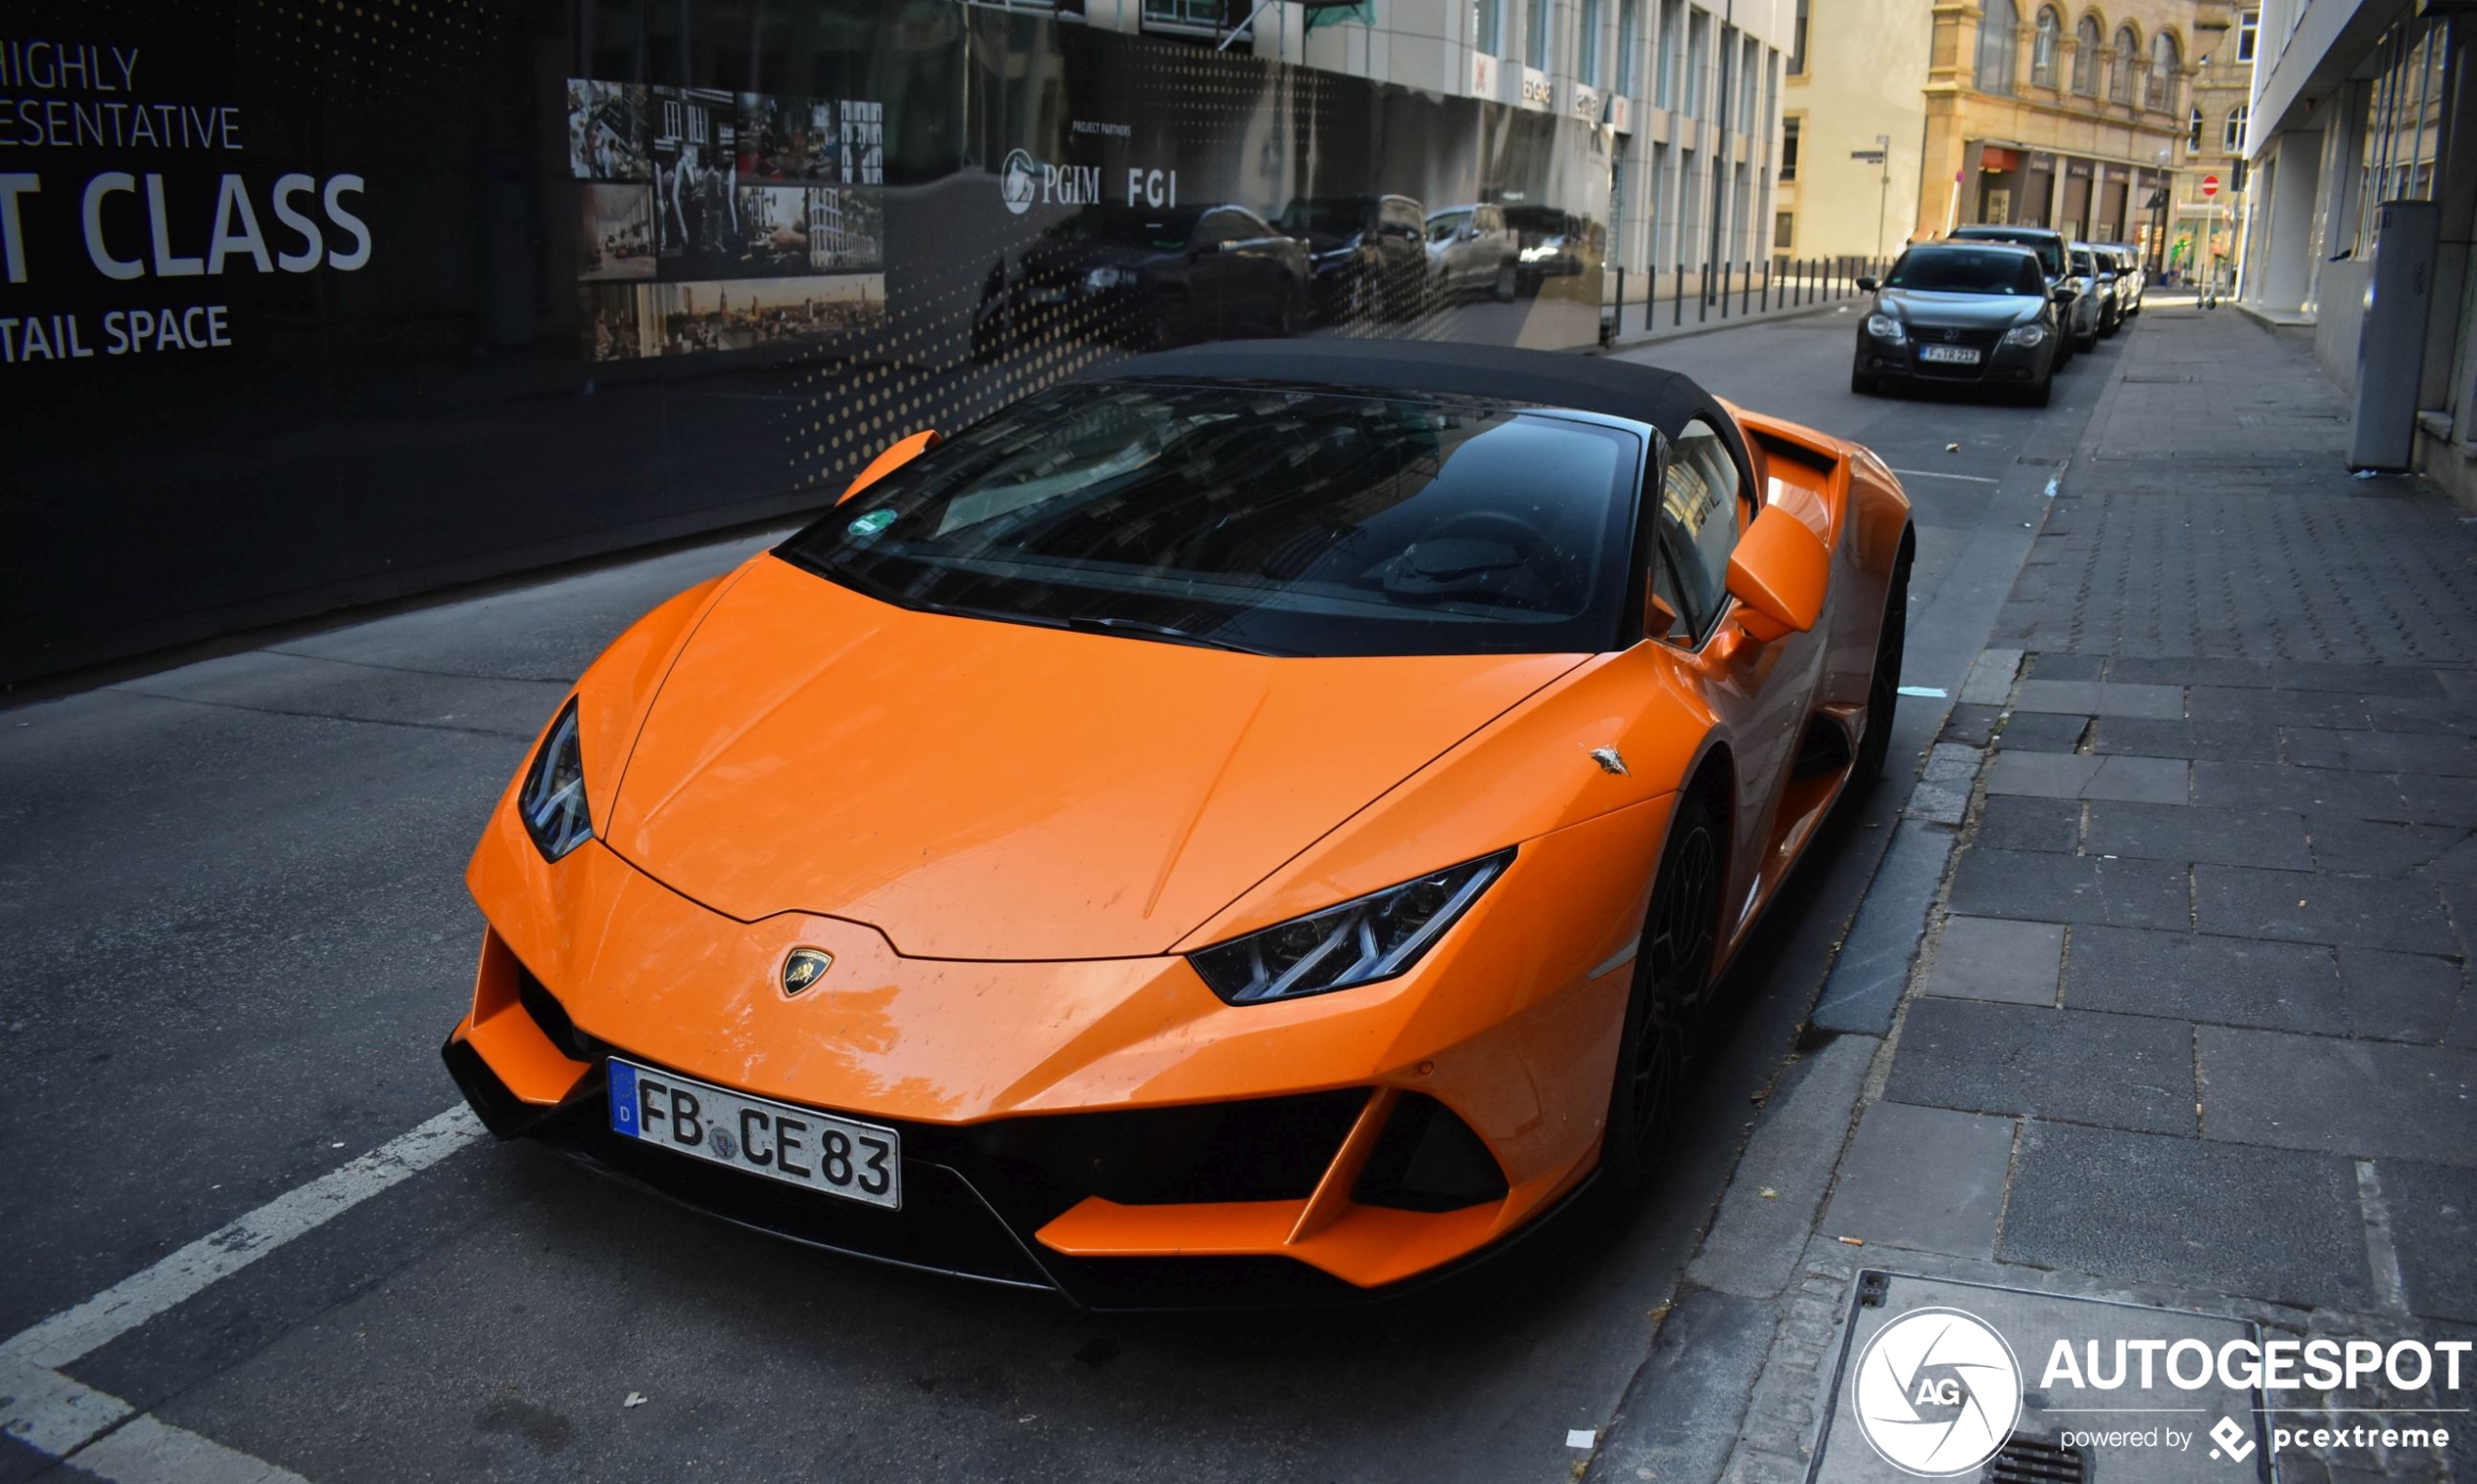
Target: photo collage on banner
pixel 716 221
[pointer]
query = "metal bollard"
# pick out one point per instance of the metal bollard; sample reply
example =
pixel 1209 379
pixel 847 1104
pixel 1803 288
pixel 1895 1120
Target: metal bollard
pixel 1703 295
pixel 1745 288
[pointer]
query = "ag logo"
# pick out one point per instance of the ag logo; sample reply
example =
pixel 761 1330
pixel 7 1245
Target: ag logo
pixel 1937 1391
pixel 805 967
pixel 1020 181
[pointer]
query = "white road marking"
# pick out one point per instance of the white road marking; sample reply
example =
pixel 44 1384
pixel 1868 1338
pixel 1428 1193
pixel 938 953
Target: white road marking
pixel 105 1436
pixel 138 1298
pixel 1967 478
pixel 151 1452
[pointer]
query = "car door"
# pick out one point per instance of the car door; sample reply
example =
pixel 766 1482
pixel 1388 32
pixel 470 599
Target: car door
pixel 1761 692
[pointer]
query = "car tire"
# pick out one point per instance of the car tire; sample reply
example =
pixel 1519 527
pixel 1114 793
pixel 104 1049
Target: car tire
pixel 1671 978
pixel 1883 683
pixel 1506 285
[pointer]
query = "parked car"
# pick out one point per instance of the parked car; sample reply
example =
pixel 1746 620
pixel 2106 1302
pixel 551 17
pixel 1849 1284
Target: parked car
pixel 2132 278
pixel 2055 259
pixel 1144 277
pixel 1447 802
pixel 1966 313
pixel 1550 244
pixel 1472 251
pixel 1366 254
pixel 2096 268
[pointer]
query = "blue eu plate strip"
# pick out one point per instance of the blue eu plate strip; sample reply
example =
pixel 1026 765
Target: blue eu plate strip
pixel 623 1098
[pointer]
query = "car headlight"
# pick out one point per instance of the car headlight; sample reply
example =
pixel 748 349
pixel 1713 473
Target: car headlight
pixel 1884 326
pixel 1369 938
pixel 1106 278
pixel 553 799
pixel 2025 334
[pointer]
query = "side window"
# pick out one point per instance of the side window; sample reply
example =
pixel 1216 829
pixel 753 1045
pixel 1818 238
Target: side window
pixel 1701 512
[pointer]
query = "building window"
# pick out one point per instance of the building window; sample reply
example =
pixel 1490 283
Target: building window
pixel 1588 67
pixel 2248 27
pixel 1752 71
pixel 1789 150
pixel 2167 59
pixel 1998 20
pixel 1629 38
pixel 1797 43
pixel 2232 137
pixel 2120 66
pixel 2043 47
pixel 1487 26
pixel 2194 131
pixel 1535 46
pixel 1783 231
pixel 2085 58
pixel 1698 61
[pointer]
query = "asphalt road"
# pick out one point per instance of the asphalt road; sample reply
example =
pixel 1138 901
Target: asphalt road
pixel 233 930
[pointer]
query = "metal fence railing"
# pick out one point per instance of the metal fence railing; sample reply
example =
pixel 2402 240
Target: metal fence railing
pixel 1636 301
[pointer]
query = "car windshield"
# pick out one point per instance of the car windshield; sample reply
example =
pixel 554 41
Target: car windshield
pixel 2049 248
pixel 1336 215
pixel 1445 224
pixel 1280 521
pixel 1966 270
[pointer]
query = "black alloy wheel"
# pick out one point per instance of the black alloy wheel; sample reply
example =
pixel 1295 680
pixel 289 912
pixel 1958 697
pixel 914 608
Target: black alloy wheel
pixel 1672 979
pixel 1883 687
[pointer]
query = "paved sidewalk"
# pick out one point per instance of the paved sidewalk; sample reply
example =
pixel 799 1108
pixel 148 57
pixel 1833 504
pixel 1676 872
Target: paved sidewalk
pixel 2191 1023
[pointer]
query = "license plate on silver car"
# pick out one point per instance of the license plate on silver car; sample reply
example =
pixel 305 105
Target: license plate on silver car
pixel 1958 355
pixel 797 1146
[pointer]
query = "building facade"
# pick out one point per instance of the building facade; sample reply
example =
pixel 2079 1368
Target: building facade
pixel 1852 129
pixel 1690 92
pixel 2358 104
pixel 2209 193
pixel 2062 114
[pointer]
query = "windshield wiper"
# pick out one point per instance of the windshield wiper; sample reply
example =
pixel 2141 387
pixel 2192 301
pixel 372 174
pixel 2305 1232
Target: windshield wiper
pixel 1138 628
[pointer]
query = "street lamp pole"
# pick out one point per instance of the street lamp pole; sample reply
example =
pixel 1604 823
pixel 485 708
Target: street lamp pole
pixel 1883 191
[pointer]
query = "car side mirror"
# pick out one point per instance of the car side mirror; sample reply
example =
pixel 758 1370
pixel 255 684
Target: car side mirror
pixel 1868 283
pixel 897 453
pixel 2063 295
pixel 1778 574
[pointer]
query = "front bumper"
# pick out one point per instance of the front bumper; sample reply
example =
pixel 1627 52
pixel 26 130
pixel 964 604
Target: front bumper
pixel 1998 363
pixel 1106 1129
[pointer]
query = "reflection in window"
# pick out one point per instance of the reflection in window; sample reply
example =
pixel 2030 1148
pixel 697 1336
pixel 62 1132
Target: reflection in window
pixel 2232 136
pixel 2167 59
pixel 1700 513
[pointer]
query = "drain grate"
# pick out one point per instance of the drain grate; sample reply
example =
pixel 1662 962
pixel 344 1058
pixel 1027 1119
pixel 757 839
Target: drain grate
pixel 2034 1461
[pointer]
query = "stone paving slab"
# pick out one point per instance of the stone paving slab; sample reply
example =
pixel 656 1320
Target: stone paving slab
pixel 2119 1071
pixel 2146 1208
pixel 2272 708
pixel 2101 699
pixel 2043 731
pixel 2346 1097
pixel 2400 997
pixel 2382 752
pixel 2433 1221
pixel 1997 959
pixel 2352 846
pixel 2354 911
pixel 2016 822
pixel 2193 977
pixel 2085 775
pixel 2266 837
pixel 2240 740
pixel 2040 886
pixel 1888 1196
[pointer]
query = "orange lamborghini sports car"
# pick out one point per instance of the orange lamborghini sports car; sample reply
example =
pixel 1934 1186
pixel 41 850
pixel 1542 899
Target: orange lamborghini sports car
pixel 1255 821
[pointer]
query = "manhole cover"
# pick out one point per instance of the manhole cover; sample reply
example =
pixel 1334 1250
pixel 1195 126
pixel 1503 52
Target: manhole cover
pixel 1942 1378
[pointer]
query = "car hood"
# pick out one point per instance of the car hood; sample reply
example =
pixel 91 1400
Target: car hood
pixel 982 790
pixel 1960 311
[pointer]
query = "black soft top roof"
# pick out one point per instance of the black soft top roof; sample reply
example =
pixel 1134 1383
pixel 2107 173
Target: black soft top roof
pixel 1663 399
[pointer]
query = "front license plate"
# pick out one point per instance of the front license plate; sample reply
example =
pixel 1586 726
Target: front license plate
pixel 1958 355
pixel 797 1146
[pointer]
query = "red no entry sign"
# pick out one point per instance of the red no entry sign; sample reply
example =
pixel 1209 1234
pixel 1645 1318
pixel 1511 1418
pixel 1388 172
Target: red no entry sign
pixel 2209 186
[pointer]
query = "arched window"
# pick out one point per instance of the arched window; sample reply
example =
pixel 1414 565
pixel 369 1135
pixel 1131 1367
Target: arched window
pixel 2233 136
pixel 2085 58
pixel 2194 131
pixel 1997 21
pixel 2044 47
pixel 2120 66
pixel 2166 61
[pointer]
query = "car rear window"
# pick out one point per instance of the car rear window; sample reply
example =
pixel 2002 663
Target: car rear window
pixel 2049 247
pixel 1967 270
pixel 1287 521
